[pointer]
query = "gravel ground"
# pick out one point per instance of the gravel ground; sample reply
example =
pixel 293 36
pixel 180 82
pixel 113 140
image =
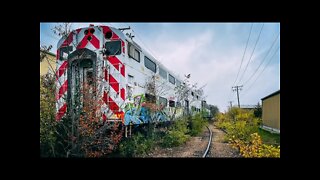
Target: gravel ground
pixel 219 148
pixel 195 147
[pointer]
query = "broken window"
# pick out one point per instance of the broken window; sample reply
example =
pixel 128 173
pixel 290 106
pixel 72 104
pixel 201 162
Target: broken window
pixel 64 52
pixel 150 98
pixel 171 103
pixel 163 101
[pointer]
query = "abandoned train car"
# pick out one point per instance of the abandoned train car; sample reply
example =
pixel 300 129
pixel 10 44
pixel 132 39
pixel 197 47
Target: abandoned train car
pixel 119 69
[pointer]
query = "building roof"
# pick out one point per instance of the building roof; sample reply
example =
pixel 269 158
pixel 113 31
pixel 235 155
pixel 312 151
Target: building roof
pixel 248 106
pixel 272 94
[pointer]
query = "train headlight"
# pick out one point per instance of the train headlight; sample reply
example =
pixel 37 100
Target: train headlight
pixel 108 35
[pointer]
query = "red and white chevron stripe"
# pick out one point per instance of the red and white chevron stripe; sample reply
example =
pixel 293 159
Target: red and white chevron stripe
pixel 113 83
pixel 114 95
pixel 61 79
pixel 82 38
pixel 62 86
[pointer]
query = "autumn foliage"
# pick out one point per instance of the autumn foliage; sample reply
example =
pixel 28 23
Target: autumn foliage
pixel 241 127
pixel 82 134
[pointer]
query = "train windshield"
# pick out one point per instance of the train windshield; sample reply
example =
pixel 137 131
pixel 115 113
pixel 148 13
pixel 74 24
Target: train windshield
pixel 113 48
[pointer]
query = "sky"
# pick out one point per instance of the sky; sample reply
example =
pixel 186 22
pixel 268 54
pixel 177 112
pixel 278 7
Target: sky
pixel 211 52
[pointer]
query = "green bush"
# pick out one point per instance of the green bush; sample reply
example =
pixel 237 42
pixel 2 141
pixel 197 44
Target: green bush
pixel 47 117
pixel 231 115
pixel 180 125
pixel 137 145
pixel 177 134
pixel 224 125
pixel 197 124
pixel 174 138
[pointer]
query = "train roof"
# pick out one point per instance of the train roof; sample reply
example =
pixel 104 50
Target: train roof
pixel 125 37
pixel 145 52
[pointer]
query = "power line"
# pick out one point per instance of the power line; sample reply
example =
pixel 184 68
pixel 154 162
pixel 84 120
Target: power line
pixel 138 36
pixel 251 54
pixel 263 59
pixel 262 70
pixel 237 88
pixel 242 59
pixel 244 53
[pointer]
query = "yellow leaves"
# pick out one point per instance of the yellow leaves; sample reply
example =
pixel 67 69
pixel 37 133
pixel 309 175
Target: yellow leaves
pixel 255 148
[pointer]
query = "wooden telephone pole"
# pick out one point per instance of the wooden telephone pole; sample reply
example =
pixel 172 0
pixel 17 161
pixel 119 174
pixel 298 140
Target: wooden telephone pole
pixel 237 88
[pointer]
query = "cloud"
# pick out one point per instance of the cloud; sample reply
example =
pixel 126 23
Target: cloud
pixel 213 58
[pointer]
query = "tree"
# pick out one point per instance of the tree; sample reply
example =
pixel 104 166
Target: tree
pixel 155 88
pixel 213 110
pixel 47 116
pixel 43 51
pixel 183 91
pixel 258 111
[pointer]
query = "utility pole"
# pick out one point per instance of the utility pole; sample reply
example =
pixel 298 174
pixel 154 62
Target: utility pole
pixel 237 88
pixel 230 104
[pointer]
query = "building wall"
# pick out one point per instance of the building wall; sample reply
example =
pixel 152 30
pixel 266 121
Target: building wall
pixel 271 112
pixel 44 65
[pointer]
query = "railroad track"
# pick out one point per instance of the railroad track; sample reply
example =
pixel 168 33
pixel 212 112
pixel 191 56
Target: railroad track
pixel 209 143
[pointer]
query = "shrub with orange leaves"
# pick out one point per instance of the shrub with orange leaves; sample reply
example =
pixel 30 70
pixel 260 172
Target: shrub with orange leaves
pixel 95 137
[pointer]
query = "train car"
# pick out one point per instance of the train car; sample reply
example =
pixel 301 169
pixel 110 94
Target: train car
pixel 112 63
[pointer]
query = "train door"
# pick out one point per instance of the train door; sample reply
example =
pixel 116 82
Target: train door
pixel 81 81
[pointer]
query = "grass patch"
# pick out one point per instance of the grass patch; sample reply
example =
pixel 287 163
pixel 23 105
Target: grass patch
pixel 269 138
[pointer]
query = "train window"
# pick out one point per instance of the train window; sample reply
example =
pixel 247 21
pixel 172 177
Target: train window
pixel 150 98
pixel 172 79
pixel 64 51
pixel 130 79
pixel 178 104
pixel 137 55
pixel 203 103
pixel 163 101
pixel 150 64
pixel 163 73
pixel 178 83
pixel 133 52
pixel 112 48
pixel 129 92
pixel 171 103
